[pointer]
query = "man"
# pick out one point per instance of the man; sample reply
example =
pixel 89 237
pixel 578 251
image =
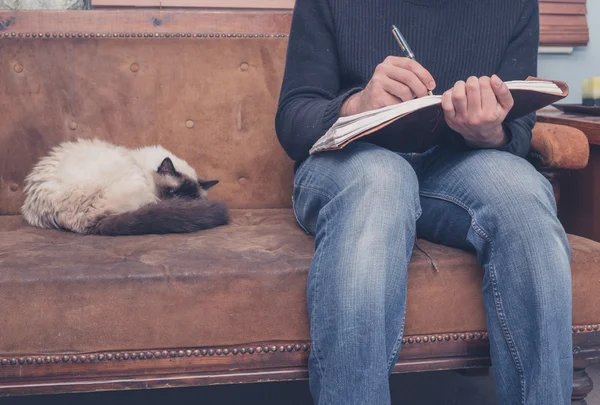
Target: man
pixel 366 203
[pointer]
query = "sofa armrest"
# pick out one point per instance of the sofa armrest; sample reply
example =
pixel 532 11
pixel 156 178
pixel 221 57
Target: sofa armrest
pixel 560 146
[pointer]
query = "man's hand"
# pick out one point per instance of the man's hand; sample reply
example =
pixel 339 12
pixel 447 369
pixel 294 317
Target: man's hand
pixel 476 110
pixel 394 81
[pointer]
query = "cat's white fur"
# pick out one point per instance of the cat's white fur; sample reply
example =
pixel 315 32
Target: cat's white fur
pixel 80 181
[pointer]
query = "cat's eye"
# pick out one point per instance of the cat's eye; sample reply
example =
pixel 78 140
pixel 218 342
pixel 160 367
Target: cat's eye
pixel 171 191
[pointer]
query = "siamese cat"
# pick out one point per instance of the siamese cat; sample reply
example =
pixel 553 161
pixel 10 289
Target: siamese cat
pixel 94 187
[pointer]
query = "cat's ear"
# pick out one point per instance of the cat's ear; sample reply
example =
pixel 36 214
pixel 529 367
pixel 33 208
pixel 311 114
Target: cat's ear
pixel 206 184
pixel 166 167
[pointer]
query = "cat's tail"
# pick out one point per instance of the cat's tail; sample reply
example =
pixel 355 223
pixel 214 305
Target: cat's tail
pixel 169 216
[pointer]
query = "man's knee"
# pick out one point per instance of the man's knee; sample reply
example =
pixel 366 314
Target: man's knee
pixel 361 181
pixel 515 197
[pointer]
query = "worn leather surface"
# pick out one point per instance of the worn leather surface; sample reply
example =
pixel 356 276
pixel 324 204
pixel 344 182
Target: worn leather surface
pixel 560 146
pixel 238 284
pixel 143 91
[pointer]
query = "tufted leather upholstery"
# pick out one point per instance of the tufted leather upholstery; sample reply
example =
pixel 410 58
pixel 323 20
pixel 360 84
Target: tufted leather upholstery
pixel 212 102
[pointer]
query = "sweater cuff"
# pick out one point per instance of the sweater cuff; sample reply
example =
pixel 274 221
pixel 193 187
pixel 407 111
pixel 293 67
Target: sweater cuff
pixel 332 111
pixel 515 138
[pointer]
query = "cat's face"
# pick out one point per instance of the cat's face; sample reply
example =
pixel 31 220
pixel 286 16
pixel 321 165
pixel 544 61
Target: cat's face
pixel 170 183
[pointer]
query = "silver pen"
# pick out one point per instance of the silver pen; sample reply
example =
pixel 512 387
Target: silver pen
pixel 405 48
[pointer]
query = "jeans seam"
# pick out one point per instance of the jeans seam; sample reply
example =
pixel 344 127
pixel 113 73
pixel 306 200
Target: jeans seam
pixel 297 217
pixel 315 347
pixel 314 190
pixel 398 343
pixel 505 330
pixel 492 271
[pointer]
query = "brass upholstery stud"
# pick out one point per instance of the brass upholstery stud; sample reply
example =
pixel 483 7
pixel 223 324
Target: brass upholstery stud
pixel 13 187
pixel 196 352
pixel 72 125
pixel 242 181
pixel 189 124
pixel 134 67
pixel 244 67
pixel 18 68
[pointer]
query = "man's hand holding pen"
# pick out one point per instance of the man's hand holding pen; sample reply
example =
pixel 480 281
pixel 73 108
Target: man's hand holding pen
pixel 395 80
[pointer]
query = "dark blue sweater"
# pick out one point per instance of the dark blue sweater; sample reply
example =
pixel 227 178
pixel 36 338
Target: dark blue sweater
pixel 335 45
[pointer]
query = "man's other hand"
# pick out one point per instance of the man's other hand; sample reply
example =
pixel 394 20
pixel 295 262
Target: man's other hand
pixel 476 110
pixel 395 80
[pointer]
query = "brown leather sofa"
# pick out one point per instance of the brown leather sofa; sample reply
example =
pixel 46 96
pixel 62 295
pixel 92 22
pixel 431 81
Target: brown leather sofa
pixel 87 313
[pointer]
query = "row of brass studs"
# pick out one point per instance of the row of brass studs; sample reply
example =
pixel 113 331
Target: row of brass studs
pixel 136 35
pixel 150 355
pixel 586 329
pixel 250 350
pixel 447 337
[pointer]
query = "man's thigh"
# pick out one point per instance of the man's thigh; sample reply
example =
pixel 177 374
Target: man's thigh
pixel 460 190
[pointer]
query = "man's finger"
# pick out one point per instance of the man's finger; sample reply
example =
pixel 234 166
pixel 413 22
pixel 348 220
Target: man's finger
pixel 459 99
pixel 423 74
pixel 447 104
pixel 502 93
pixel 473 96
pixel 488 98
pixel 397 89
pixel 407 78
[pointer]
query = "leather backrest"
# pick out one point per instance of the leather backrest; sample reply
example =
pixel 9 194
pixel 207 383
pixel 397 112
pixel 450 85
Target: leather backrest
pixel 203 84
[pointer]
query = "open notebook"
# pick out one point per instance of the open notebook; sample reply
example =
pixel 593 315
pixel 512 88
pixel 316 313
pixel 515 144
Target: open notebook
pixel 423 117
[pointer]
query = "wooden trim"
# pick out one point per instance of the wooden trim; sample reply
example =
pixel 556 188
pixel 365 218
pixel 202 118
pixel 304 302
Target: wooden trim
pixel 258 362
pixel 556 30
pixel 230 4
pixel 145 21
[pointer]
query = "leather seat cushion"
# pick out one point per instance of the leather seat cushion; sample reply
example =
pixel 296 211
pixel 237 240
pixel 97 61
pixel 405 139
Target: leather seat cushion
pixel 242 283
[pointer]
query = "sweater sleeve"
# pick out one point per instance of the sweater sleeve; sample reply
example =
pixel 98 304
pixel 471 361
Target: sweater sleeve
pixel 310 97
pixel 519 62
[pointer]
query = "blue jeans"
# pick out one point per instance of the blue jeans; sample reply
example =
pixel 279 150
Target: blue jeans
pixel 365 205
